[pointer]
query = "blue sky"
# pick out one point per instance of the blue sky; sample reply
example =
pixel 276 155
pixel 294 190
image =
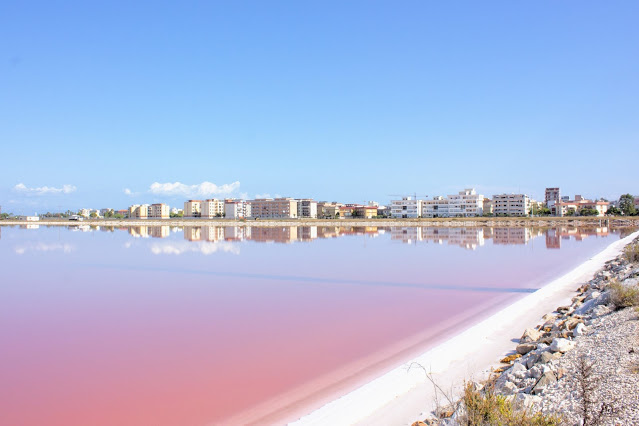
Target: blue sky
pixel 346 101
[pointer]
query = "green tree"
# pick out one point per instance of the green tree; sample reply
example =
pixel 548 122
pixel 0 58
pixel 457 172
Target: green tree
pixel 93 215
pixel 588 212
pixel 614 211
pixel 627 205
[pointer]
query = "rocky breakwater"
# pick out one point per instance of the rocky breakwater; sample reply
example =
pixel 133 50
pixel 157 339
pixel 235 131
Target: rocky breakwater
pixel 582 362
pixel 579 366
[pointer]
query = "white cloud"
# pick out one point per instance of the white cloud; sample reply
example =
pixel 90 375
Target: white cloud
pixel 204 189
pixel 127 191
pixel 267 195
pixel 43 190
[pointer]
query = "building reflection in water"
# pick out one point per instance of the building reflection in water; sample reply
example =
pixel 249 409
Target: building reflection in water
pixel 466 237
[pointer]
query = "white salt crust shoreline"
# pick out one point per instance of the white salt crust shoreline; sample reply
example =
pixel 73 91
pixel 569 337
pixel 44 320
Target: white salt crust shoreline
pixel 403 396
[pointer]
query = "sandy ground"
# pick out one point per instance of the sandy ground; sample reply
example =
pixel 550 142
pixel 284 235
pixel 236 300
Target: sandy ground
pixel 404 394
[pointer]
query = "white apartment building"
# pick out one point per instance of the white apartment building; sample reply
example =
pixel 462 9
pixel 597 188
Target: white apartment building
pixel 212 208
pixel 192 208
pixel 159 211
pixel 407 207
pixel 307 208
pixel 437 207
pixel 269 208
pixel 237 209
pixel 466 204
pixel 511 205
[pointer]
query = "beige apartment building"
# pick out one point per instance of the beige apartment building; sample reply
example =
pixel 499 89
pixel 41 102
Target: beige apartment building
pixel 159 211
pixel 511 205
pixel 571 207
pixel 278 208
pixel 211 208
pixel 139 211
pixel 192 208
pixel 328 210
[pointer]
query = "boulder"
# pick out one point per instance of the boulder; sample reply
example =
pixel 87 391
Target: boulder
pixel 517 367
pixel 579 330
pixel 530 335
pixel 524 348
pixel 535 372
pixel 533 358
pixel 526 401
pixel 572 323
pixel 548 378
pixel 600 311
pixel 509 388
pixel 585 307
pixel 510 358
pixel 561 345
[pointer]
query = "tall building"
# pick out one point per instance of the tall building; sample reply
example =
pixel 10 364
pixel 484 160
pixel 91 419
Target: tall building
pixel 437 207
pixel 160 211
pixel 553 195
pixel 407 207
pixel 139 211
pixel 511 205
pixel 466 204
pixel 192 208
pixel 278 208
pixel 211 208
pixel 307 208
pixel 237 209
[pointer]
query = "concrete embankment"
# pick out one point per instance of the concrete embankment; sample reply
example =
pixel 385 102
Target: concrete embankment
pixel 452 222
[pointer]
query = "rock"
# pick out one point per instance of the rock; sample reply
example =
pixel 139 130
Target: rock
pixel 517 367
pixel 510 358
pixel 535 372
pixel 585 307
pixel 561 372
pixel 561 345
pixel 524 348
pixel 572 323
pixel 509 388
pixel 523 400
pixel 547 379
pixel 579 330
pixel 601 310
pixel 521 375
pixel 530 335
pixel 595 294
pixel 533 358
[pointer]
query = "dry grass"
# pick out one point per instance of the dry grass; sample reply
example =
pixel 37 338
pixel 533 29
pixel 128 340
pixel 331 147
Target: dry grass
pixel 623 296
pixel 631 252
pixel 485 408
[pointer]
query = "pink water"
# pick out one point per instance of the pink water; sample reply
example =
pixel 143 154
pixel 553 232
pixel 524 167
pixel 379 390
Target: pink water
pixel 228 325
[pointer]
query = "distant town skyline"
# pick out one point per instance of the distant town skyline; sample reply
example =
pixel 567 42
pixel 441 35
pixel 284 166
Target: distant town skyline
pixel 337 102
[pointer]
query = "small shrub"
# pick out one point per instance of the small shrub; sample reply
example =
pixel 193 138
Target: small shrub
pixel 623 296
pixel 631 252
pixel 487 408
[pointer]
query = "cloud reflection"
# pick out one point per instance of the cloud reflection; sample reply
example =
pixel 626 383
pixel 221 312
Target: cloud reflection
pixel 65 248
pixel 203 247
